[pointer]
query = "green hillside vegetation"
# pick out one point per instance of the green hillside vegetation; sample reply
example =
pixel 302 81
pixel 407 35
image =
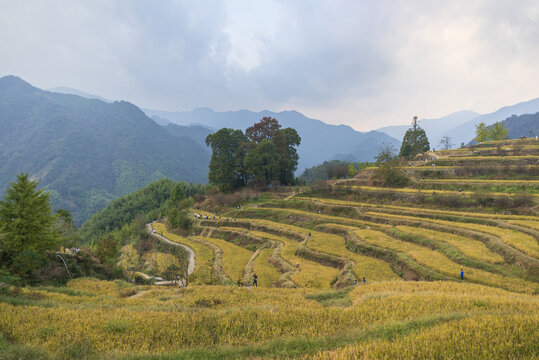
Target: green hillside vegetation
pixel 196 132
pixel 86 152
pixel 149 202
pixel 526 125
pixel 334 169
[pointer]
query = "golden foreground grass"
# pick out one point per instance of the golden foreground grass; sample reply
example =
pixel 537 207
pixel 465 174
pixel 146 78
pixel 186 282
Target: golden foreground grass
pixel 422 320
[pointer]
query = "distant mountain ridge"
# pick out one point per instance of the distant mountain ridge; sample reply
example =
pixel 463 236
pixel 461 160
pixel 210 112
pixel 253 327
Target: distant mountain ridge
pixel 523 125
pixel 71 91
pixel 460 126
pixel 319 141
pixel 197 133
pixel 87 152
pixel 466 131
pixel 434 128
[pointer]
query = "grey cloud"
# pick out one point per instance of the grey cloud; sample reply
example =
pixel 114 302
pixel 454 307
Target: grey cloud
pixel 363 62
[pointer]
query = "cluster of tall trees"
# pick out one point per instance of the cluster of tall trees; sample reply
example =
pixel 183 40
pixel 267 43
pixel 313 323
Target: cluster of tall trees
pixel 264 154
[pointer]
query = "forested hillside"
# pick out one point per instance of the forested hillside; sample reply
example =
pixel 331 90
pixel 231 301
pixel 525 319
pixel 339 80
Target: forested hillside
pixel 87 152
pixel 196 132
pixel 524 125
pixel 148 202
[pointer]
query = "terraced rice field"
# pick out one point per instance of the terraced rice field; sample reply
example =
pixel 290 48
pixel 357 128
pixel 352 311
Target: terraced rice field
pixel 427 192
pixel 235 258
pixel 523 242
pixel 480 181
pixel 472 248
pixel 311 274
pixel 266 272
pixel 319 309
pixel 437 261
pixel 527 224
pixel 363 266
pixel 204 256
pixel 408 209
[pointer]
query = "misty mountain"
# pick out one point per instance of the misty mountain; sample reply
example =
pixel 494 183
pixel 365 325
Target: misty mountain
pixel 434 128
pixel 86 152
pixel 161 121
pixel 466 132
pixel 197 133
pixel 71 91
pixel 319 141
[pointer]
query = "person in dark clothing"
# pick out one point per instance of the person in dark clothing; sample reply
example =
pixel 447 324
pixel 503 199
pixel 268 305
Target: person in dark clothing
pixel 461 274
pixel 255 280
pixel 364 281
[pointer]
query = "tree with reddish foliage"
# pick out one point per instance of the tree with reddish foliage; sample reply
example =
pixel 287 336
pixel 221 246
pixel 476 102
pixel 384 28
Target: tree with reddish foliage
pixel 265 129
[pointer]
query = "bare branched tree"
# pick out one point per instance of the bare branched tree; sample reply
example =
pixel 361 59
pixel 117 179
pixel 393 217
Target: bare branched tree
pixel 445 143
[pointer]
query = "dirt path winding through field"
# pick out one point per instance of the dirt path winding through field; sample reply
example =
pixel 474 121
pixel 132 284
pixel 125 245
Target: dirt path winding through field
pixel 192 263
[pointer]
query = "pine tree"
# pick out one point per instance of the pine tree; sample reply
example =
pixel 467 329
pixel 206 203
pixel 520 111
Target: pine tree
pixel 414 142
pixel 27 227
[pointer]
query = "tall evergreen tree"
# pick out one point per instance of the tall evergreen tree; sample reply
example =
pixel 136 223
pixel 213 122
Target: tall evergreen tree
pixel 27 227
pixel 414 142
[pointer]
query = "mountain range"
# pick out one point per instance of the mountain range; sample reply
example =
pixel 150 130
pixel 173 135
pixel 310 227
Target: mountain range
pixel 319 141
pixel 460 126
pixel 86 152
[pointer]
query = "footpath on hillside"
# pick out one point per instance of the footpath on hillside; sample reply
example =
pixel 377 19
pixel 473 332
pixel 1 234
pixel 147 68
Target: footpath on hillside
pixel 192 263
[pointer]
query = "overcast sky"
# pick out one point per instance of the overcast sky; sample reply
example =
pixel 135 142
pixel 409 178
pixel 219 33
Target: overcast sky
pixel 363 63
